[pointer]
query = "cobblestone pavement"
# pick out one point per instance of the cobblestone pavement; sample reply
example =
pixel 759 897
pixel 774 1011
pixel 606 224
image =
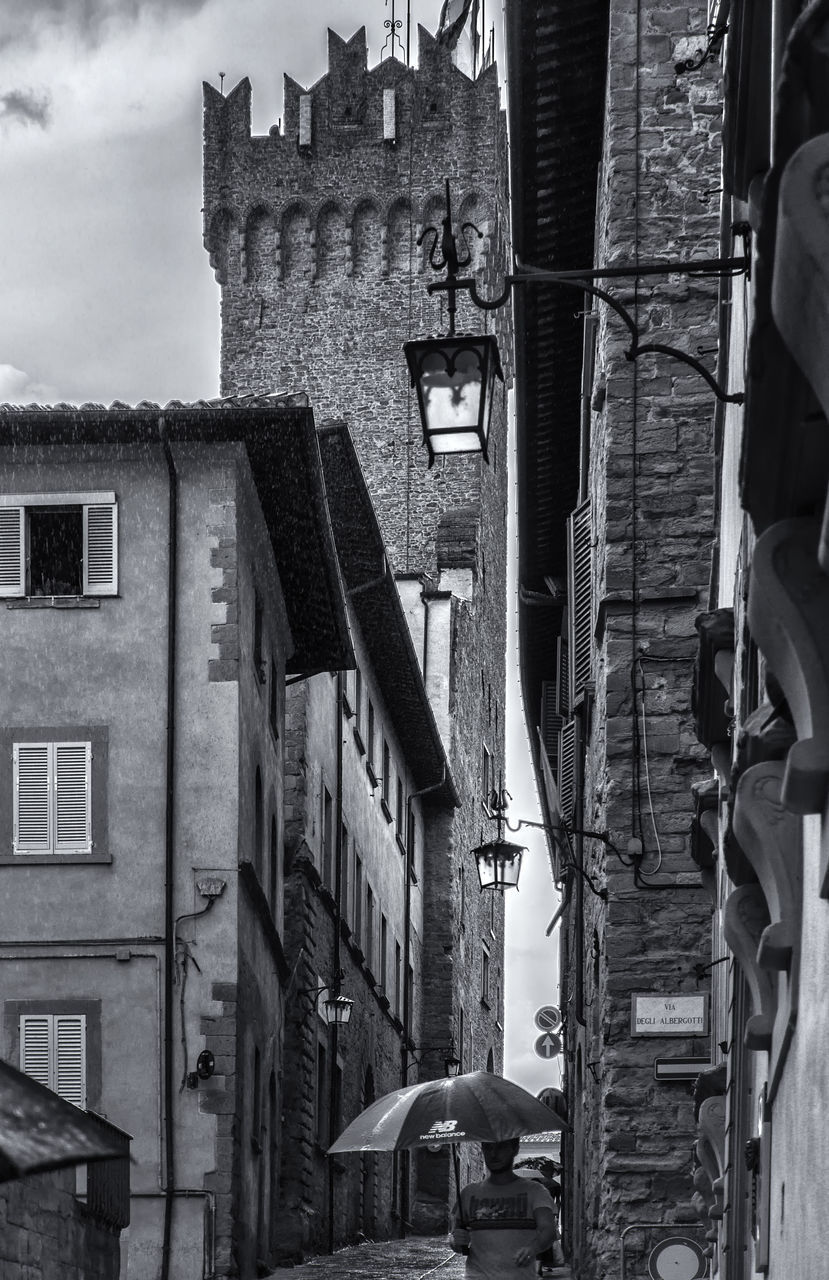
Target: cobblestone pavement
pixel 412 1259
pixel 416 1258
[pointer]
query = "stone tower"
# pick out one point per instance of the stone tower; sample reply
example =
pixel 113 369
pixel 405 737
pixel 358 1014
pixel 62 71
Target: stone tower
pixel 313 234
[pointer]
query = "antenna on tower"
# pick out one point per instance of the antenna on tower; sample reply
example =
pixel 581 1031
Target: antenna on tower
pixel 222 83
pixel 393 26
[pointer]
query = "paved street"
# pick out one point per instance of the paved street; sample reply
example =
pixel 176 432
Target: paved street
pixel 417 1258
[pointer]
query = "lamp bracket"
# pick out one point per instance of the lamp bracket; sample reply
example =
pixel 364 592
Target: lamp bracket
pixel 583 280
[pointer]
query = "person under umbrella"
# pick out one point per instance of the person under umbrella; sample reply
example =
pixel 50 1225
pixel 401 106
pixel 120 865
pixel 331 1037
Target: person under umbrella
pixel 503 1222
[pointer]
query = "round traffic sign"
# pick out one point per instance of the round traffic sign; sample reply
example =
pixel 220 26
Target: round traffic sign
pixel 548 1045
pixel 677 1258
pixel 548 1018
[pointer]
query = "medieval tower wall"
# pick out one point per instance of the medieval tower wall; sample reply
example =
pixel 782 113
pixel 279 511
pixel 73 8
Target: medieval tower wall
pixel 313 234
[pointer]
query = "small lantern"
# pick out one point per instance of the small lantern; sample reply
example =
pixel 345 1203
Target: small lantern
pixel 454 378
pixel 338 1010
pixel 452 1065
pixel 499 864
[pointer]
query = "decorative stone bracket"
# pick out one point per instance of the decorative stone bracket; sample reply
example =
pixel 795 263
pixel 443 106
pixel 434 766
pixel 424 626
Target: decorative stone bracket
pixel 745 919
pixel 712 677
pixel 710 1150
pixel 788 612
pixel 800 289
pixel 770 837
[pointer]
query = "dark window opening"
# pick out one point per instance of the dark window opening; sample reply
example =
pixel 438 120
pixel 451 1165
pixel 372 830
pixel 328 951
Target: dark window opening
pixel 55 551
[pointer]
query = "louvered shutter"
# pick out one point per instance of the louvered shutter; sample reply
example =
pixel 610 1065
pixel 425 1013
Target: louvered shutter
pixel 100 549
pixel 72 772
pixel 36 1047
pixel 551 722
pixel 32 807
pixel 567 770
pixel 70 1057
pixel 12 551
pixel 580 583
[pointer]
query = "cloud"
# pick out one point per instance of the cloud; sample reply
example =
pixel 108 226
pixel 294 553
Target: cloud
pixel 16 387
pixel 85 19
pixel 24 106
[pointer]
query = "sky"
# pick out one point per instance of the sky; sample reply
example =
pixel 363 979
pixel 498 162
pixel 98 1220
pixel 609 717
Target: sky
pixel 107 293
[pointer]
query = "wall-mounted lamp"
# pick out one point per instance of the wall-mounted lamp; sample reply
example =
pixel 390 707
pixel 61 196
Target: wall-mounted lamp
pixel 336 1007
pixel 454 376
pixel 498 861
pixel 451 1062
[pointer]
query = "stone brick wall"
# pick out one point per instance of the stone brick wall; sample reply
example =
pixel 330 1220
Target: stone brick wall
pixel 651 484
pixel 45 1233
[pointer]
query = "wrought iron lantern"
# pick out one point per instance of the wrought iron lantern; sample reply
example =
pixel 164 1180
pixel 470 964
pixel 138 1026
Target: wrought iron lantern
pixel 499 864
pixel 454 378
pixel 337 1009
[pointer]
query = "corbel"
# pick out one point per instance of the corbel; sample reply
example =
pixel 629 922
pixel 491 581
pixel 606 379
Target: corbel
pixel 770 836
pixel 705 836
pixel 745 917
pixel 788 612
pixel 711 1149
pixel 712 677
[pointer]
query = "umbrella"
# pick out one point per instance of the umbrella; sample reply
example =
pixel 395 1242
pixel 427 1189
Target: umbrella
pixel 40 1131
pixel 476 1107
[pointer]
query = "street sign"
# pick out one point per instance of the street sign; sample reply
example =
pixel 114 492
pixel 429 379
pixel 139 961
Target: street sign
pixel 680 1069
pixel 677 1258
pixel 658 1015
pixel 548 1045
pixel 548 1018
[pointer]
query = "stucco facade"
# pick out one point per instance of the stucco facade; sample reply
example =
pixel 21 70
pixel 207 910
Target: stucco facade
pixel 165 933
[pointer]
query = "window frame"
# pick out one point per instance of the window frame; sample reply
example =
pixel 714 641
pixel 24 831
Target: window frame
pixel 89 502
pixel 97 736
pixel 90 1010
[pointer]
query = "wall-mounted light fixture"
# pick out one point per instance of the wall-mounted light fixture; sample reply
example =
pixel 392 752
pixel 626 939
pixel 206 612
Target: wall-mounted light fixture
pixel 451 1062
pixel 498 861
pixel 336 1008
pixel 454 376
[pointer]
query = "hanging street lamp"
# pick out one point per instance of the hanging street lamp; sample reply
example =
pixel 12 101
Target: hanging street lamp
pixel 455 376
pixel 498 861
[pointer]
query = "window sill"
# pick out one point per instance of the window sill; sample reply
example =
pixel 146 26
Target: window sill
pixel 54 602
pixel 358 738
pixel 401 844
pixel 485 1002
pixel 372 776
pixel 386 810
pixel 52 859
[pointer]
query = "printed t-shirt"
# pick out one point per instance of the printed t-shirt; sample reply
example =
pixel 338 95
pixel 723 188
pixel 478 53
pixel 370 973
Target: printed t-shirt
pixel 500 1218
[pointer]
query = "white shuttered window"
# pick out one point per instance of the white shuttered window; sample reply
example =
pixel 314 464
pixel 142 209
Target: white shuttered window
pixel 580 590
pixel 53 1051
pixel 58 544
pixel 52 797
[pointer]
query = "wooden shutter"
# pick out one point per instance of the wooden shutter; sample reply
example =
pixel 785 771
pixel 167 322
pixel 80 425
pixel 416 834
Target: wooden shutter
pixel 32 807
pixel 567 770
pixel 580 590
pixel 35 1047
pixel 73 809
pixel 53 1051
pixel 70 1057
pixel 12 551
pixel 100 549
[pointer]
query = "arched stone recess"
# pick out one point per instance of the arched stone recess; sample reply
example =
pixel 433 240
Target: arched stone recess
pixel 788 612
pixel 744 918
pixel 401 237
pixel 366 251
pixel 331 243
pixel 770 836
pixel 222 244
pixel 260 246
pixel 472 212
pixel 296 249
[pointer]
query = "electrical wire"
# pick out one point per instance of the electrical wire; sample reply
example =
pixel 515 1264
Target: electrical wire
pixel 655 869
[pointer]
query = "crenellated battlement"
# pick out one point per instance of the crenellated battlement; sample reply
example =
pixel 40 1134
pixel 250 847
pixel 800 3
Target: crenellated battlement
pixel 313 232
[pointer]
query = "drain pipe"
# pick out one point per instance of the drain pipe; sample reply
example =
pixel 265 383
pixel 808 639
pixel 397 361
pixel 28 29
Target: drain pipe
pixel 169 865
pixel 405 1164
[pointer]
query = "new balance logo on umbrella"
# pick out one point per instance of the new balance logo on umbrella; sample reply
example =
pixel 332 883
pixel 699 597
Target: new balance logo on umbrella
pixel 442 1129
